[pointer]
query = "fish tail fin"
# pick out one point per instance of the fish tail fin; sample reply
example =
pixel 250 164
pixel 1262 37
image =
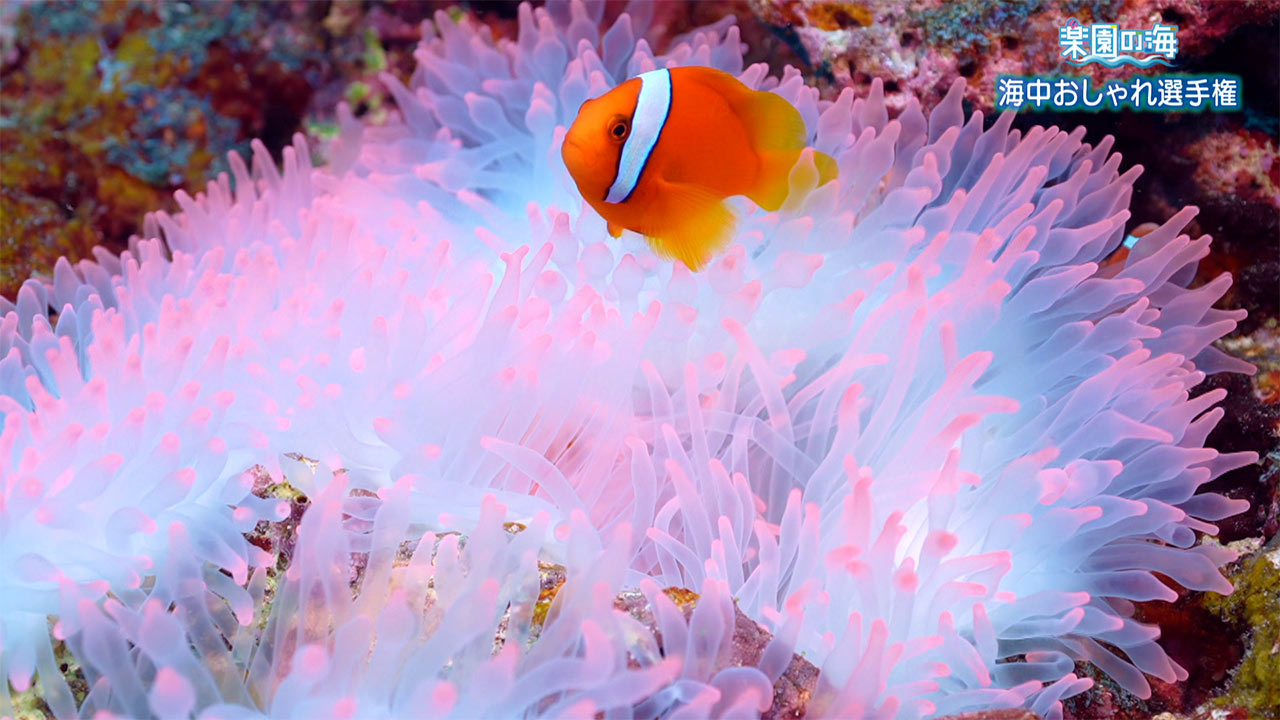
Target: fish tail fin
pixel 688 223
pixel 828 170
pixel 773 182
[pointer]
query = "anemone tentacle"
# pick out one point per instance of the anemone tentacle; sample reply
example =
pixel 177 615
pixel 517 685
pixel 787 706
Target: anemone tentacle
pixel 914 425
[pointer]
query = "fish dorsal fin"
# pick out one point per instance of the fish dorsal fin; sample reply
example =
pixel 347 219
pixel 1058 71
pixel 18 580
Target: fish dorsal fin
pixel 687 222
pixel 771 122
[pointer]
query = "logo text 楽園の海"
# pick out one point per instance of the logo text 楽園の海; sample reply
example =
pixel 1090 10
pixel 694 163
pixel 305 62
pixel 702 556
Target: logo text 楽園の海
pixel 1112 46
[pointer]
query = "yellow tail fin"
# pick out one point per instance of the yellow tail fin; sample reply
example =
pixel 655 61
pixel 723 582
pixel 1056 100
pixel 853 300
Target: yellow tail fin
pixel 773 183
pixel 827 168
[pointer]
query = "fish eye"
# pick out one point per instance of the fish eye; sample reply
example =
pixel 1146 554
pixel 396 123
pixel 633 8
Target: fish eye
pixel 619 127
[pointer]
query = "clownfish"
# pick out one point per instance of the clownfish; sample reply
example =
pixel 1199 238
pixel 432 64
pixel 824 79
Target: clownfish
pixel 661 152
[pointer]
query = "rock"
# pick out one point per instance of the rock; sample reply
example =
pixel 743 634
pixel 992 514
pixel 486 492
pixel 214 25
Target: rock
pixel 994 715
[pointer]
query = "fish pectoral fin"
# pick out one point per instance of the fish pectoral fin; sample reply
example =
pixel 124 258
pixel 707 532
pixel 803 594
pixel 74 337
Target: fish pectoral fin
pixel 773 183
pixel 615 231
pixel 687 223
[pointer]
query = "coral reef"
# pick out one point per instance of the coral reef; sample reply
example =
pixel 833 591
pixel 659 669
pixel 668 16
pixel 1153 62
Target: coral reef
pixel 135 100
pixel 1235 175
pixel 1238 167
pixel 916 430
pixel 1262 348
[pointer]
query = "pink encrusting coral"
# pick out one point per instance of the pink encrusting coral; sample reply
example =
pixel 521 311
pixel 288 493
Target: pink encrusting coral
pixel 912 425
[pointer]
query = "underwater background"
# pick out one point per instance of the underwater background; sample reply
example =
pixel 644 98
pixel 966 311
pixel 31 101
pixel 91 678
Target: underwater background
pixel 446 147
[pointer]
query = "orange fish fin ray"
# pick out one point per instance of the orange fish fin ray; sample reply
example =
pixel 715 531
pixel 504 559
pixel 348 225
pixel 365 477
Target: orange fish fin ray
pixel 771 122
pixel 773 184
pixel 615 231
pixel 687 223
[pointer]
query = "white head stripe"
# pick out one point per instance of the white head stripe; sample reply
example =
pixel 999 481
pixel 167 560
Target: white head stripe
pixel 651 115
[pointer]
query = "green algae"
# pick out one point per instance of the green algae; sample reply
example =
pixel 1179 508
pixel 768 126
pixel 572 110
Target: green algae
pixel 1255 683
pixel 358 92
pixel 375 56
pixel 30 704
pixel 284 491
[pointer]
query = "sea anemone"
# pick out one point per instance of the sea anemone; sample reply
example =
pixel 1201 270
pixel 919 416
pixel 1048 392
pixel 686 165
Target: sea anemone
pixel 916 426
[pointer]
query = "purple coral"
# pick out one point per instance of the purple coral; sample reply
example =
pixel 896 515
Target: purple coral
pixel 912 425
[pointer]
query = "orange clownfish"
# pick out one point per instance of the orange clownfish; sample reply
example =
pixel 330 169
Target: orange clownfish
pixel 659 154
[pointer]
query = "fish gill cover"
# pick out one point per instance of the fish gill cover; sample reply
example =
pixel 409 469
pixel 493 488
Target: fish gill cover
pixel 913 426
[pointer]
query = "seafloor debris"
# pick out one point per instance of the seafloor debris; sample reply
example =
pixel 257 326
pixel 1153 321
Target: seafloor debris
pixel 792 690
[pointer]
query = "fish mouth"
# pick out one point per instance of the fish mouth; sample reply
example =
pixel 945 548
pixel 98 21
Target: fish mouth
pixel 572 154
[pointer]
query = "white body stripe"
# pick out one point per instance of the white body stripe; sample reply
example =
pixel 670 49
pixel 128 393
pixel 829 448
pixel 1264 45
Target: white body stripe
pixel 651 115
